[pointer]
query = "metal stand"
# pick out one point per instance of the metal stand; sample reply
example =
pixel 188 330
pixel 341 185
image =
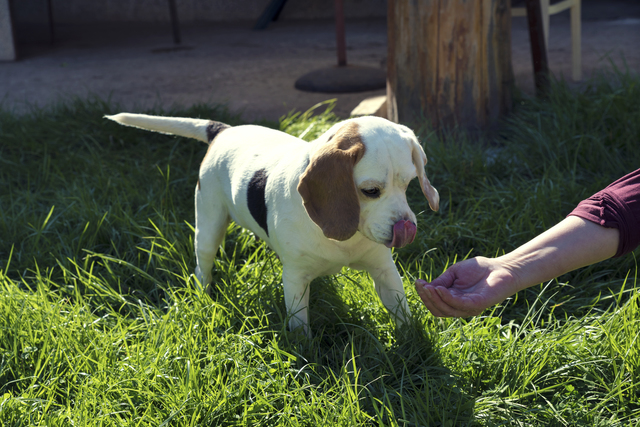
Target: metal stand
pixel 342 78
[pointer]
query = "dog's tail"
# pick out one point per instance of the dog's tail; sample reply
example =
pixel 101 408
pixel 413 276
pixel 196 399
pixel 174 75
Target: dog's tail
pixel 202 130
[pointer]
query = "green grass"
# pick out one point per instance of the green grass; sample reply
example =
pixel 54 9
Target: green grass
pixel 101 323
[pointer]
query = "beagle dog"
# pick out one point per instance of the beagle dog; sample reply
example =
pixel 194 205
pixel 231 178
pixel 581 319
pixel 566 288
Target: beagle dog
pixel 337 201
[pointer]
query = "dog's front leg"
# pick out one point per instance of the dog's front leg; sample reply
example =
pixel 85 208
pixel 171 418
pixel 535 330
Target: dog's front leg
pixel 388 285
pixel 296 298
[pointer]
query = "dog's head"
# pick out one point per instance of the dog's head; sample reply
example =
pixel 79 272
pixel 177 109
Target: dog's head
pixel 357 178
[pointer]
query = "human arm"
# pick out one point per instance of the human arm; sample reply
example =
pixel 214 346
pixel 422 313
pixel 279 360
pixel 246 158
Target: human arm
pixel 468 287
pixel 604 225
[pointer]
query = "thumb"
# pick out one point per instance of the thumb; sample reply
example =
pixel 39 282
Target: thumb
pixel 420 282
pixel 445 280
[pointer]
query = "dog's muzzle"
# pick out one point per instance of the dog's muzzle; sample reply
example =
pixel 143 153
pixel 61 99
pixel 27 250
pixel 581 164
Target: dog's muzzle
pixel 403 233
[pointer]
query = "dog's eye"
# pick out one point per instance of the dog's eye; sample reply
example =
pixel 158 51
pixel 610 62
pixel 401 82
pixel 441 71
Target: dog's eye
pixel 373 193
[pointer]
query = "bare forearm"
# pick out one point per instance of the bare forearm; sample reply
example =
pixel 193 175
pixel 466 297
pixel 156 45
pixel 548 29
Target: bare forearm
pixel 571 244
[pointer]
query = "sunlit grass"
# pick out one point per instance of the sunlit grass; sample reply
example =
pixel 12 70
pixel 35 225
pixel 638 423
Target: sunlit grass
pixel 101 322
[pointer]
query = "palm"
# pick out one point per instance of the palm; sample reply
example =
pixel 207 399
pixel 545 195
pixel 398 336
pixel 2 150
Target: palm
pixel 467 288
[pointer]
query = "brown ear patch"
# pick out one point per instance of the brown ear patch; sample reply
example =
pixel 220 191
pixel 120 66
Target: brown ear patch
pixel 328 191
pixel 420 161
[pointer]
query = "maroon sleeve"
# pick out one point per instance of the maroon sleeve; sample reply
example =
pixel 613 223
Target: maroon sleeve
pixel 617 206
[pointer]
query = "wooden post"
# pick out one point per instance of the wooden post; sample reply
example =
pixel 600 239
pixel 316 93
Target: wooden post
pixel 449 62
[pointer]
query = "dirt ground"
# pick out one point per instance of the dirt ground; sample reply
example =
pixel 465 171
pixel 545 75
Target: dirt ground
pixel 138 66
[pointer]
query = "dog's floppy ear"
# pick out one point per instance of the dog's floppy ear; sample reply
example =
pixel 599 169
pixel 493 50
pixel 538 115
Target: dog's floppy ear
pixel 327 187
pixel 420 161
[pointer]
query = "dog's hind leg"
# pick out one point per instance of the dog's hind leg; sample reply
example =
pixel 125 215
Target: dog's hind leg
pixel 212 220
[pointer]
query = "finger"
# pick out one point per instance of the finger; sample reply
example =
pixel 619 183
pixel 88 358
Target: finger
pixel 426 295
pixel 462 307
pixel 432 304
pixel 436 305
pixel 444 309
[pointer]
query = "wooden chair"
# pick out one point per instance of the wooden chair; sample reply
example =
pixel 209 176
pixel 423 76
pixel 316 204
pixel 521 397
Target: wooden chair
pixel 551 9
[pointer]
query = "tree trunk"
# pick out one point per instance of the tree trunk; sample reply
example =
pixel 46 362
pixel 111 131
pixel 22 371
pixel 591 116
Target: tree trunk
pixel 449 62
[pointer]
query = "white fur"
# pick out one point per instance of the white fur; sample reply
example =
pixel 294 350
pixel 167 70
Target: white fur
pixel 392 158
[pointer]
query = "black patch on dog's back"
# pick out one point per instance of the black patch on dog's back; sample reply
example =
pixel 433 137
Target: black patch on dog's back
pixel 214 128
pixel 256 199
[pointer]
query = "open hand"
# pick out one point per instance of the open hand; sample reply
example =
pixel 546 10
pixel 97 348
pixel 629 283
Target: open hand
pixel 467 288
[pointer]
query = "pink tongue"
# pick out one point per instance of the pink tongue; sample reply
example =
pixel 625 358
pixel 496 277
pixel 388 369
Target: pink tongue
pixel 403 233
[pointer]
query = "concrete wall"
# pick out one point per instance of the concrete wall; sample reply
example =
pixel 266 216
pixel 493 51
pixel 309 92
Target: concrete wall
pixel 76 11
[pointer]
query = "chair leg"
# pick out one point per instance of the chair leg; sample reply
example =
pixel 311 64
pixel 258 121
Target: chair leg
pixel 538 48
pixel 544 8
pixel 269 14
pixel 576 45
pixel 52 34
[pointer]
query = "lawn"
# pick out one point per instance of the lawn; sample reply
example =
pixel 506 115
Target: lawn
pixel 101 322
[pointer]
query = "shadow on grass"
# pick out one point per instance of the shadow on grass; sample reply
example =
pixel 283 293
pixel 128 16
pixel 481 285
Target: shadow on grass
pixel 397 371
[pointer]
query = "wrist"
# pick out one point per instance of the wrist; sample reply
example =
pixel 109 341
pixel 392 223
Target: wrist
pixel 504 274
pixel 524 269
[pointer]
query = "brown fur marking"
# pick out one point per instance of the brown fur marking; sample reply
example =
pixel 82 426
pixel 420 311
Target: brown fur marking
pixel 327 187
